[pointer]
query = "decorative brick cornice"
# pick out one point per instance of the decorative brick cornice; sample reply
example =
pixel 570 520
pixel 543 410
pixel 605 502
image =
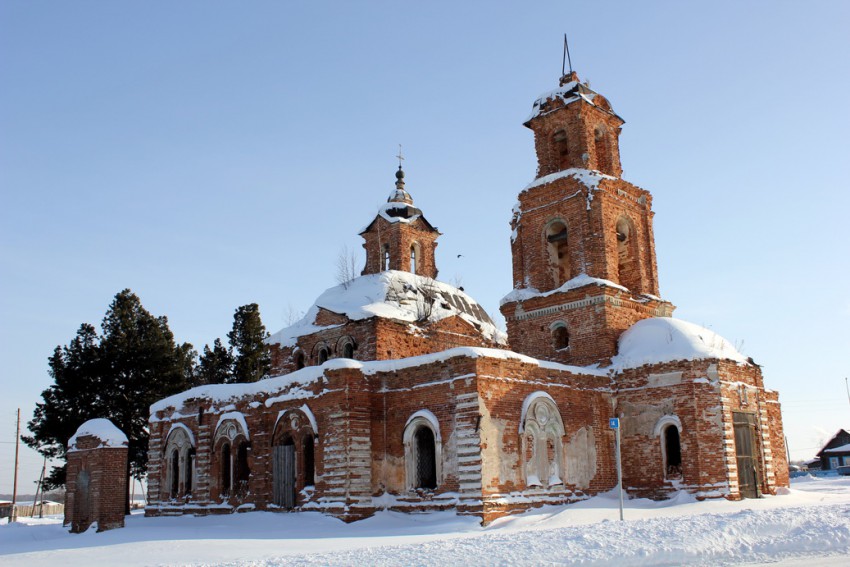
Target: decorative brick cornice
pixel 661 310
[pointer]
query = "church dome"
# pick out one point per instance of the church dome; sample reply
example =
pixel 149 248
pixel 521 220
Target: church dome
pixel 665 339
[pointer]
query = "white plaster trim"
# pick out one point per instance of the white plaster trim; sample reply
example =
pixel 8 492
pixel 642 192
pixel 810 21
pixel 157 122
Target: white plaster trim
pixel 425 418
pixel 530 400
pixel 665 421
pixel 432 419
pixel 184 428
pixel 305 410
pixel 312 418
pixel 234 416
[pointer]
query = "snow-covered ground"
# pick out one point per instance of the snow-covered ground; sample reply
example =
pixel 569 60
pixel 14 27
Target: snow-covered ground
pixel 810 525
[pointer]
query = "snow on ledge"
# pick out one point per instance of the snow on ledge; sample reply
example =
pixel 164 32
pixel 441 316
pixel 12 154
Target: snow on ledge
pixel 102 429
pixel 523 294
pixel 665 339
pixel 590 178
pixel 292 386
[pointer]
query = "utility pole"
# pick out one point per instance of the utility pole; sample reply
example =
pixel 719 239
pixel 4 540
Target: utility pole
pixel 40 490
pixel 14 517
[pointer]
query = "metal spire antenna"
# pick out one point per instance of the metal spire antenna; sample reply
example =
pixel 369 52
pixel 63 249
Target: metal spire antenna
pixel 566 57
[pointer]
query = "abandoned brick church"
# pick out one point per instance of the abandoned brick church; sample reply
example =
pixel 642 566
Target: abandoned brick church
pixel 397 391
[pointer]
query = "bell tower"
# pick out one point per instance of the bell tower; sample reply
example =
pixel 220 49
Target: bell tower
pixel 583 250
pixel 399 237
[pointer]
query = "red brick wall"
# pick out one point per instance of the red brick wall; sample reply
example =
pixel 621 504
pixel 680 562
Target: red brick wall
pixel 400 236
pixel 381 339
pixel 595 318
pixel 580 121
pixel 107 486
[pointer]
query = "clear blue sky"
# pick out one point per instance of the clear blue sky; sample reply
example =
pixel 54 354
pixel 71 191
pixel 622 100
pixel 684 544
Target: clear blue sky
pixel 209 155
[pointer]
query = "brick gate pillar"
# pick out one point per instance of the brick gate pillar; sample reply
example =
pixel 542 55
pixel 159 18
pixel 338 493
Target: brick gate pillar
pixel 96 480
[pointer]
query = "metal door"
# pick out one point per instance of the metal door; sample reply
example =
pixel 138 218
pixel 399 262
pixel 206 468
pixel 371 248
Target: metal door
pixel 283 469
pixel 745 450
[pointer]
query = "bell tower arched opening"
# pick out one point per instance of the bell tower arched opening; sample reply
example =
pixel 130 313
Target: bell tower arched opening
pixel 557 246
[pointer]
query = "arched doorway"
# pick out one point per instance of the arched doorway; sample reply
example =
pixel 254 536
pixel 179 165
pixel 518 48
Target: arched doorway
pixel 283 471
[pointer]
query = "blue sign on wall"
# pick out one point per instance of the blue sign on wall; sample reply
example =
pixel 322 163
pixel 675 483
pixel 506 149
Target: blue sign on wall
pixel 614 423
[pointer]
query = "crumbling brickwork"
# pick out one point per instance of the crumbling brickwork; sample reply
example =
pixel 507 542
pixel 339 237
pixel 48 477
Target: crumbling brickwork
pixel 438 413
pixel 95 485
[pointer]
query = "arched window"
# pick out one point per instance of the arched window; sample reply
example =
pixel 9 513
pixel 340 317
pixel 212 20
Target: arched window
pixel 414 257
pixel 231 446
pixel 179 466
pixel 559 139
pixel 602 149
pixel 299 360
pixel 559 254
pixel 386 257
pixel 422 451
pixel 345 347
pixel 669 429
pixel 542 434
pixel 560 336
pixel 323 355
pixel 628 267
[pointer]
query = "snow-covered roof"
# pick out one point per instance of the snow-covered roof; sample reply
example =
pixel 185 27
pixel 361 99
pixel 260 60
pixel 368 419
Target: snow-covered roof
pixel 568 93
pixel 392 295
pixel 526 293
pixel 102 429
pixel 293 384
pixel 842 449
pixel 665 339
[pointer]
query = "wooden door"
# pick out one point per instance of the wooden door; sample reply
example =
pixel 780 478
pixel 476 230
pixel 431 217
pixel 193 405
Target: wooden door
pixel 283 470
pixel 747 454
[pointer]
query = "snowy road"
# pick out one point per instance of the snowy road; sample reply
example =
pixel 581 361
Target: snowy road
pixel 808 526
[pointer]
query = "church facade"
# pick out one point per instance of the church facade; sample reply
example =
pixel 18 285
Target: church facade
pixel 397 391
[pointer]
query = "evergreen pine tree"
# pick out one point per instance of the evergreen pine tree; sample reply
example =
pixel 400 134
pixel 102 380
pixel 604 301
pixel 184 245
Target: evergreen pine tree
pixel 73 398
pixel 117 376
pixel 215 365
pixel 252 360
